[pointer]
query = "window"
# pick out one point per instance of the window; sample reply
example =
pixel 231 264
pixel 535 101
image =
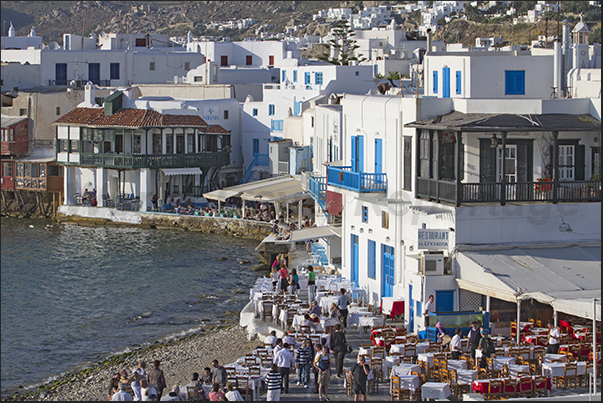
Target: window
pixel 225 115
pixel 458 82
pixel 435 82
pixel 384 219
pixel 271 60
pixel 198 79
pixel 168 144
pixel 248 60
pixel 318 78
pixel 74 146
pixel 371 254
pixel 152 66
pixel 284 76
pixel 7 169
pixel 515 82
pixel 365 214
pixel 307 78
pixel 270 110
pixel 64 146
pixel 312 122
pixel 54 170
pixel 190 143
pixel 256 146
pixel 99 100
pixel 276 125
pixel 418 311
pixel 114 71
pixel 157 143
pixel 566 163
pixel 137 144
pixel 187 66
pixel 357 73
pixel 294 76
pixel 22 112
pixel 424 155
pixel 141 42
pixel 255 112
pixel 58 110
pixel 223 60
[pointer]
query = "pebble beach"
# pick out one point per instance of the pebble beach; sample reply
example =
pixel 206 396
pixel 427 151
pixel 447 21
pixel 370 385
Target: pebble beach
pixel 179 359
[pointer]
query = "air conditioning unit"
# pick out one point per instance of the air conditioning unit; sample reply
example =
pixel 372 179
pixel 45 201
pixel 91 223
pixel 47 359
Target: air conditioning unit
pixel 432 263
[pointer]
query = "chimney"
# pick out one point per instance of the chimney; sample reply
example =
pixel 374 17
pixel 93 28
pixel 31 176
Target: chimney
pixel 428 50
pixel 89 93
pixel 557 66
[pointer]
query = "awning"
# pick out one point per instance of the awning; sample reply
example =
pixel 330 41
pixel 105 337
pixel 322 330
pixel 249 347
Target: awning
pixel 313 233
pixel 282 188
pixel 181 171
pixel 564 276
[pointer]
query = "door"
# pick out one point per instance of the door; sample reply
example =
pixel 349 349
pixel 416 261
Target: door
pixel 60 74
pixel 223 60
pixel 507 166
pixel 355 260
pixel 444 301
pixel 94 73
pixel 446 82
pixel 360 150
pixel 411 309
pixel 407 163
pixel 298 108
pixel 387 271
pixel 378 156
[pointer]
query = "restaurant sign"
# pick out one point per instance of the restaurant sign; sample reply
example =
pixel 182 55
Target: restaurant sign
pixel 433 239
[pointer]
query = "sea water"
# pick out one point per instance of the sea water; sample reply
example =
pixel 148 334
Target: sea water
pixel 72 296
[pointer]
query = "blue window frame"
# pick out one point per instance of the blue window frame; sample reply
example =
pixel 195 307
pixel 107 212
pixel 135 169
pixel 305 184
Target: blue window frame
pixel 298 108
pixel 364 214
pixel 515 82
pixel 371 255
pixel 318 78
pixel 255 112
pixel 388 271
pixel 276 125
pixel 435 82
pixel 419 310
pixel 271 109
pixel 307 78
pixel 114 73
pixel 459 82
pixel 294 76
pixel 256 146
pixel 446 82
pixel 357 73
pixel 284 76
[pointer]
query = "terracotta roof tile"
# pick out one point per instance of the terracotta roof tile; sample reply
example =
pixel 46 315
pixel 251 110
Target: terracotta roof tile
pixel 217 129
pixel 128 118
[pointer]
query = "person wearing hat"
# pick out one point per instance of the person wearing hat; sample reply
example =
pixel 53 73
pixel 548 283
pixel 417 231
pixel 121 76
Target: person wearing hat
pixel 486 345
pixel 308 322
pixel 440 332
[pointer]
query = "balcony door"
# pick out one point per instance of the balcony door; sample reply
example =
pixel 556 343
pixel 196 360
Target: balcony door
pixel 506 164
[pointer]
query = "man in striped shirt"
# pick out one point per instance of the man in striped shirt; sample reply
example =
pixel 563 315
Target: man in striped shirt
pixel 303 359
pixel 273 384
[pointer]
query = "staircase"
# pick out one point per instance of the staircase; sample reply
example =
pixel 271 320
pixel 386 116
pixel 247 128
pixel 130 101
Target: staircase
pixel 259 160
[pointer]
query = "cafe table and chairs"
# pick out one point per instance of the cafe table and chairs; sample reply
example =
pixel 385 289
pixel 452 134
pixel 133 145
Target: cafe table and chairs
pixel 405 369
pixel 435 390
pixel 548 358
pixel 370 321
pixel 518 370
pixel 457 364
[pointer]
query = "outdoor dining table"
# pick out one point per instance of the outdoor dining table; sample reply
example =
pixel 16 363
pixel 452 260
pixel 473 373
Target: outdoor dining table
pixel 466 376
pixel 370 321
pixel 405 369
pixel 435 390
pixel 554 369
pixel 325 303
pixel 553 357
pixel 457 364
pixel 518 370
pixel 427 357
pixel 481 385
pixel 499 362
pixel 411 382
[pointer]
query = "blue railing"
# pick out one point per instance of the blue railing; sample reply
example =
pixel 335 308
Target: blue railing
pixel 360 182
pixel 318 189
pixel 258 159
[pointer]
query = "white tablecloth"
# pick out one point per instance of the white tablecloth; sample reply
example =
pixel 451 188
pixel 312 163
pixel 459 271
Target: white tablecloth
pixel 550 357
pixel 517 370
pixel 370 321
pixel 466 375
pixel 427 357
pixel 422 346
pixel 387 303
pixel 405 369
pixel 558 368
pixel 457 364
pixel 435 390
pixel 500 362
pixel 409 382
pixel 325 303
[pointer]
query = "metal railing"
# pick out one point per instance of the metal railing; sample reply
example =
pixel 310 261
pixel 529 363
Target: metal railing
pixel 130 161
pixel 258 160
pixel 318 189
pixel 487 192
pixel 360 182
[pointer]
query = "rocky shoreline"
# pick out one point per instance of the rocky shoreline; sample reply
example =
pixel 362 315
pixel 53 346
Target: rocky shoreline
pixel 179 359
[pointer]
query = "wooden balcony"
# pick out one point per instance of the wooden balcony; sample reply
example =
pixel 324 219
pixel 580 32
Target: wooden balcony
pixel 129 161
pixel 447 191
pixel 361 182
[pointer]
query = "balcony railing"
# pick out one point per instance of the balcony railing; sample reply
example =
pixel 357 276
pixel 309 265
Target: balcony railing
pixel 360 182
pixel 128 161
pixel 318 189
pixel 574 191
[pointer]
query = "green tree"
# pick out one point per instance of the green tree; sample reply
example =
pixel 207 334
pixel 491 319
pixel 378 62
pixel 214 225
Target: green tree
pixel 344 45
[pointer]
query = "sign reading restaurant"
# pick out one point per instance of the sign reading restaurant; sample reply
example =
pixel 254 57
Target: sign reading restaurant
pixel 433 239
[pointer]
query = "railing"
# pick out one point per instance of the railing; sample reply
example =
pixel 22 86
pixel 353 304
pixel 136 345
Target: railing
pixel 209 159
pixel 360 182
pixel 318 189
pixel 574 191
pixel 43 143
pixel 258 160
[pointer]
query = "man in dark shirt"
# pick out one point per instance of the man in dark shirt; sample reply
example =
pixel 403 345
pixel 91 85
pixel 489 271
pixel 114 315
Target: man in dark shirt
pixel 360 372
pixel 474 337
pixel 155 377
pixel 219 374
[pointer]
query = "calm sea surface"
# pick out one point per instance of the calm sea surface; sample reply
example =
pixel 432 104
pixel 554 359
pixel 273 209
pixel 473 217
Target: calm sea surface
pixel 72 296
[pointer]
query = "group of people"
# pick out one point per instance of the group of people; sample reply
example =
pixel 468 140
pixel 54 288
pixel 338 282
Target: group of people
pixel 143 385
pixel 89 198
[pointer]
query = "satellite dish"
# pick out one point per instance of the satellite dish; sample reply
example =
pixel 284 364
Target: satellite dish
pixel 401 54
pixel 54 46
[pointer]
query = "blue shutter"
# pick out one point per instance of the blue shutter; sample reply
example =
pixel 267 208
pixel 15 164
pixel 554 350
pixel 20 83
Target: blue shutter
pixel 284 75
pixel 371 272
pixel 458 82
pixel 435 82
pixel 294 76
pixel 298 108
pixel 354 156
pixel 378 156
pixel 446 82
pixel 360 153
pixel 515 82
pixel 364 214
pixel 307 78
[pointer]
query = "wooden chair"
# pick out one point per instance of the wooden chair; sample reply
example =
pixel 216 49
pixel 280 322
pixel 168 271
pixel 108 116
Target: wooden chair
pixel 405 394
pixel 378 352
pixel 366 345
pixel 267 309
pixel 405 359
pixel 482 373
pixel 513 328
pixel 192 394
pixel 394 389
pixel 525 387
pixel 510 389
pixel 425 370
pixel 305 329
pixel 583 378
pixel 570 376
pixel 250 361
pixel 411 350
pixel 539 386
pixel 266 361
pixel 460 388
pixel 243 387
pixel 377 366
pixel 373 384
pixel 348 380
pixel 494 389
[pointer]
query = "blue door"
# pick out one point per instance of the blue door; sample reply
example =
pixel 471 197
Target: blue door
pixel 360 150
pixel 355 260
pixel 378 156
pixel 411 309
pixel 444 301
pixel 354 152
pixel 446 82
pixel 387 271
pixel 298 108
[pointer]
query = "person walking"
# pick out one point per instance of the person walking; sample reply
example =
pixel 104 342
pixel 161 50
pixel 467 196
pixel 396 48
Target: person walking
pixel 218 374
pixel 302 358
pixel 286 362
pixel 554 338
pixel 428 309
pixel 311 284
pixel 156 377
pixel 342 303
pixel 273 381
pixel 293 281
pixel 360 373
pixel 487 346
pixel 455 344
pixel 473 338
pixel 338 348
pixel 322 363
